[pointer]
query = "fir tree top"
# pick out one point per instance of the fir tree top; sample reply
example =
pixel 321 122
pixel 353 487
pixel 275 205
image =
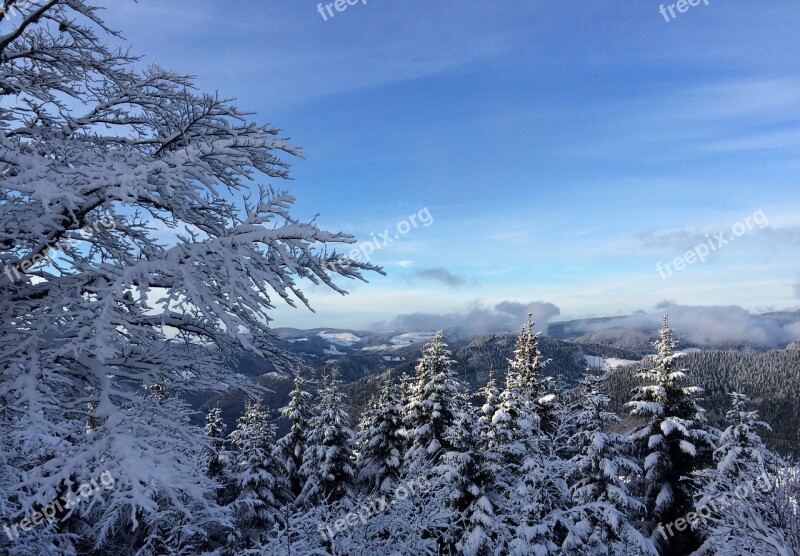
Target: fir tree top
pixel 527 362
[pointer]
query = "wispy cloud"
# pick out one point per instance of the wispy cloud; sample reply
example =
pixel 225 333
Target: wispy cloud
pixel 661 239
pixel 442 275
pixel 780 139
pixel 744 98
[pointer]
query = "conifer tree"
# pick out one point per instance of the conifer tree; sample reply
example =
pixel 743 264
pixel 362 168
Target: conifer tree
pixel 327 467
pixel 741 454
pixel 490 395
pixel 219 461
pixel 518 418
pixel 512 424
pixel 538 391
pixel 511 439
pixel 527 362
pixel 602 463
pixel 407 387
pixel 467 480
pixel 517 459
pixel 259 480
pixel 602 469
pixel 744 505
pixel 381 441
pixel 432 408
pixel 292 446
pixel 539 510
pixel 675 442
pixel 218 457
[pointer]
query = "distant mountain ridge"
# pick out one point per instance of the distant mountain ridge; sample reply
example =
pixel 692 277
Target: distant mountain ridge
pixel 366 359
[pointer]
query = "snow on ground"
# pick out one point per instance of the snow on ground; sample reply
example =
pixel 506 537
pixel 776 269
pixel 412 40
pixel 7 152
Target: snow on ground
pixel 613 362
pixel 602 363
pixel 390 358
pixel 333 350
pixel 382 347
pixel 293 340
pixel 409 338
pixel 344 339
pixel 595 362
pixel 277 376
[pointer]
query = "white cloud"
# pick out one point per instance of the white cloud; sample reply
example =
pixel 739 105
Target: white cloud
pixel 476 319
pixel 705 326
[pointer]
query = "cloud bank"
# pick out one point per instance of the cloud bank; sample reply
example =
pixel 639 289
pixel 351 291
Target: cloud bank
pixel 704 325
pixel 506 316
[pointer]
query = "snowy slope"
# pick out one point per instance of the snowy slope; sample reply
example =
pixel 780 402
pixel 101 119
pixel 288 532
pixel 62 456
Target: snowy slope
pixel 607 363
pixel 344 339
pixel 410 338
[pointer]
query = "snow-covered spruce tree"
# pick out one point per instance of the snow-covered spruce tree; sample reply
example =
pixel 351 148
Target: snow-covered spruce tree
pixel 292 446
pixel 531 492
pixel 519 417
pixel 515 436
pixel 220 467
pixel 432 408
pixel 219 458
pixel 490 395
pixel 561 414
pixel 411 520
pixel 466 478
pixel 741 508
pixel 512 425
pixel 537 510
pixel 407 387
pixel 602 470
pixel 328 466
pixel 260 483
pixel 136 251
pixel 510 439
pixel 741 454
pixel 675 443
pixel 527 361
pixel 516 426
pixel 603 460
pixel 539 513
pixel 527 364
pixel 381 441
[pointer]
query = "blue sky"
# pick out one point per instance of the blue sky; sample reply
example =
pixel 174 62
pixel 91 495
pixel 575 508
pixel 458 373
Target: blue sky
pixel 563 150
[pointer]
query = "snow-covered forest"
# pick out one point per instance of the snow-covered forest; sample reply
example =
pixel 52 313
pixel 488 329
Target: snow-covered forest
pixel 144 248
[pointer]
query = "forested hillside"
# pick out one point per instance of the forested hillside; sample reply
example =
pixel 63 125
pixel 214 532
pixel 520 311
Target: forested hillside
pixel 771 379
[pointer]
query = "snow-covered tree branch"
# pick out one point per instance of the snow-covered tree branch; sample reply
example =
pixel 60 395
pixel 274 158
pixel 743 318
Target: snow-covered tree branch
pixel 201 248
